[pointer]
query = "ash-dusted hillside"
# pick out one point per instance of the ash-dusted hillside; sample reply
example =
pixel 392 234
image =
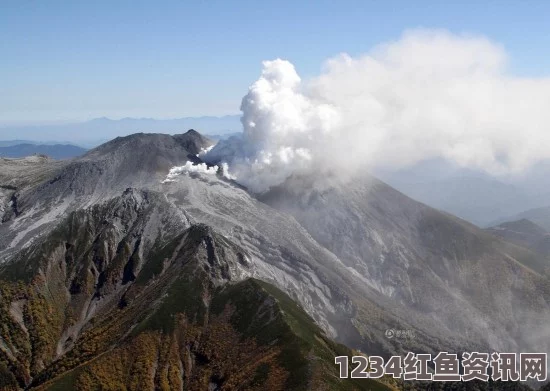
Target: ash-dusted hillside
pixel 104 261
pixel 39 194
pixel 128 294
pixel 438 272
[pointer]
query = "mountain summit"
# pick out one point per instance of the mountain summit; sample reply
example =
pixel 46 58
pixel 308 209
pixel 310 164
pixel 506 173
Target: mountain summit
pixel 102 261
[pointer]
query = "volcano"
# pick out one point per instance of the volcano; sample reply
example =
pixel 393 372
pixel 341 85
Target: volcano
pixel 112 277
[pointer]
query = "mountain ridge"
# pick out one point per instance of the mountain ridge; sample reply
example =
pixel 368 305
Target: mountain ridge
pixel 373 260
pixel 97 131
pixel 182 278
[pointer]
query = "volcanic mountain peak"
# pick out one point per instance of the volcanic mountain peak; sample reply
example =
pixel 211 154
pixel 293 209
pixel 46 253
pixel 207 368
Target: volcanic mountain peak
pixel 141 144
pixel 123 254
pixel 44 192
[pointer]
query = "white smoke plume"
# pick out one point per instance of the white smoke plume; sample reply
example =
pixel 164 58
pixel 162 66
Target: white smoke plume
pixel 201 168
pixel 430 94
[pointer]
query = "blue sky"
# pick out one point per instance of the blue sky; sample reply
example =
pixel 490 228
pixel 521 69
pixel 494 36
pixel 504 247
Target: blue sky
pixel 76 60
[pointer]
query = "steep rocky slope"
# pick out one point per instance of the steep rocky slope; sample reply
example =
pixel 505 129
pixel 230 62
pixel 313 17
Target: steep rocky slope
pixel 101 256
pixel 46 192
pixel 128 294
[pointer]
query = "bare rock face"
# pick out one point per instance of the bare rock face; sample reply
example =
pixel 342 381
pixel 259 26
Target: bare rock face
pixel 444 277
pixel 99 251
pixel 47 190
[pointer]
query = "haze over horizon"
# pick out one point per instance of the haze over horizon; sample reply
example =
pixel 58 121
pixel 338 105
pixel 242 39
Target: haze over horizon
pixel 72 62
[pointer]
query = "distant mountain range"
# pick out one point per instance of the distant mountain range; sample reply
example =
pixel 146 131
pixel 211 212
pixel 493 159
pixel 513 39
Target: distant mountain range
pixel 94 132
pixel 476 199
pixel 11 143
pixel 56 151
pixel 475 196
pixel 530 236
pixel 539 216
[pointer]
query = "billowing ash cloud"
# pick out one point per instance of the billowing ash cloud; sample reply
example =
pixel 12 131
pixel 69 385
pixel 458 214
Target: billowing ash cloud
pixel 430 94
pixel 283 128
